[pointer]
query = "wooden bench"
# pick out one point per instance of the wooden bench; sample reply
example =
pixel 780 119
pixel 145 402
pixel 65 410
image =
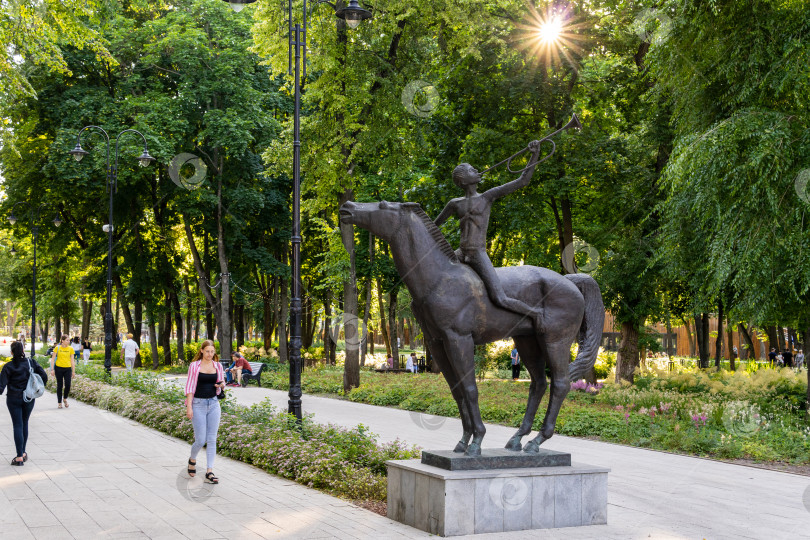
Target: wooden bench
pixel 255 374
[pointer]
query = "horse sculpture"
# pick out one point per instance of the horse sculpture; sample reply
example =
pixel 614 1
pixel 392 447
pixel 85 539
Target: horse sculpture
pixel 455 313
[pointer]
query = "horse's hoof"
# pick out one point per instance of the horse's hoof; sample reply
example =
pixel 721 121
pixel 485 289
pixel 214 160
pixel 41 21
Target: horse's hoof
pixel 514 444
pixel 532 447
pixel 460 448
pixel 473 450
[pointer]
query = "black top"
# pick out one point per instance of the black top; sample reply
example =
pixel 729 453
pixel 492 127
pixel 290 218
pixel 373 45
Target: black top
pixel 206 388
pixel 15 376
pixel 86 345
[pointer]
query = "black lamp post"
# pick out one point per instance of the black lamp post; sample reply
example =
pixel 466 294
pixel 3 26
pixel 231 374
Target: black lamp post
pixel 353 14
pixel 112 185
pixel 34 233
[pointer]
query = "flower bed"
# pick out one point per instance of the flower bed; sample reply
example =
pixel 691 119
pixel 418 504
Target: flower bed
pixel 728 415
pixel 344 462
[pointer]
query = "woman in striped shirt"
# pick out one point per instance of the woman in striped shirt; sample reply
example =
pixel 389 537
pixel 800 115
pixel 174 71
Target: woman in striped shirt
pixel 206 379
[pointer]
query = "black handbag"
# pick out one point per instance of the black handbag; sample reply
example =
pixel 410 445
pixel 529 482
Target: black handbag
pixel 221 394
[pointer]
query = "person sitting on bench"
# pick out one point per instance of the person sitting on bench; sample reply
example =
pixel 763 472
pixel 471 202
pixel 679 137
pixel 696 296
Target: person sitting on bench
pixel 239 366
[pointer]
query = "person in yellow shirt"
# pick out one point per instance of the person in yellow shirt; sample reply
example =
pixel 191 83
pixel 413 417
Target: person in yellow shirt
pixel 63 366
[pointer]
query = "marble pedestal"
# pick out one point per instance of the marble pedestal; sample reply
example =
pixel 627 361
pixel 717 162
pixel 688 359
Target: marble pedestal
pixel 452 503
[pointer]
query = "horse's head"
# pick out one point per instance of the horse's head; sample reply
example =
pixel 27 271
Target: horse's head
pixel 380 218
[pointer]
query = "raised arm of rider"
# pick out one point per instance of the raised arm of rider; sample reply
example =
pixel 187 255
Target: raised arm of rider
pixel 510 187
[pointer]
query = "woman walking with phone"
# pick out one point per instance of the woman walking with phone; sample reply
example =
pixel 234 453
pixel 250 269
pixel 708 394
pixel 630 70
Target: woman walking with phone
pixel 14 376
pixel 63 367
pixel 205 382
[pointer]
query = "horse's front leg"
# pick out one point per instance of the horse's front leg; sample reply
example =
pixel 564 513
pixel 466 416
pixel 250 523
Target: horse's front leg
pixel 440 357
pixel 461 349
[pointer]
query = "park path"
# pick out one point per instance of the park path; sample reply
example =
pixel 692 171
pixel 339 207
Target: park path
pixel 94 474
pixel 650 494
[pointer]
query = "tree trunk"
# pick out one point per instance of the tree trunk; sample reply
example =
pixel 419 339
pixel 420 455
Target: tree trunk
pixel 773 341
pixel 137 323
pixel 627 359
pixel 87 308
pixel 240 326
pixel 153 337
pixel 178 321
pixel 718 343
pixel 165 331
pixel 806 340
pixel 283 353
pixel 189 314
pixel 276 304
pixel 367 295
pixel 383 320
pixel 267 315
pixel 690 338
pixel 702 337
pixel 202 281
pixel 392 322
pixel 780 336
pixel 351 366
pixel 752 353
pixel 730 334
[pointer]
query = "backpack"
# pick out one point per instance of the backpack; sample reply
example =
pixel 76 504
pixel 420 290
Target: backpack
pixel 35 387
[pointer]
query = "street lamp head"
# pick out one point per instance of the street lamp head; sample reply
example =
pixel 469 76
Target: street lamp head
pixel 57 221
pixel 239 5
pixel 145 158
pixel 12 218
pixel 353 14
pixel 78 152
pixel 13 251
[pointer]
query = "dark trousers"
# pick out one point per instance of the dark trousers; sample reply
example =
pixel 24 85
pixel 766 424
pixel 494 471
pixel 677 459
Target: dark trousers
pixel 515 371
pixel 20 411
pixel 62 376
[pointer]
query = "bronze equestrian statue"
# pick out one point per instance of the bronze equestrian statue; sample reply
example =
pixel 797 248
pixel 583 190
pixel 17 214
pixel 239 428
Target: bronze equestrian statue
pixel 456 309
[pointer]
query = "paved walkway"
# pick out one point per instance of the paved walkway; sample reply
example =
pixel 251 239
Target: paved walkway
pixel 93 474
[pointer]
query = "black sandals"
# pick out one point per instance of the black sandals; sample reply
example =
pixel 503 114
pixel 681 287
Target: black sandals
pixel 17 463
pixel 192 472
pixel 211 478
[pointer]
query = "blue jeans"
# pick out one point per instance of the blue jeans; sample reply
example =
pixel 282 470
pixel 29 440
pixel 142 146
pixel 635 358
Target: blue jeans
pixel 20 411
pixel 206 424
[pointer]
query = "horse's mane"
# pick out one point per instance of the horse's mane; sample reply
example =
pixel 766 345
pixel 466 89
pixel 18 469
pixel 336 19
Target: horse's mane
pixel 434 231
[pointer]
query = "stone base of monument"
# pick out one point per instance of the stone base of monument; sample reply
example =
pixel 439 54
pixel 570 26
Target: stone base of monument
pixel 450 494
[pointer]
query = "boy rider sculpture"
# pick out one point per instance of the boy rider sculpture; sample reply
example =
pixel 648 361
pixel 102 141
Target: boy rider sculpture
pixel 473 212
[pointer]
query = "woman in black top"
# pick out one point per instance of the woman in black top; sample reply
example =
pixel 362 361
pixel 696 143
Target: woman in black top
pixel 15 376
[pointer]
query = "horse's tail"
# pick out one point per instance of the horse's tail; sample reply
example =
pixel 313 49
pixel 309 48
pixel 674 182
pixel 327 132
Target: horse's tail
pixel 590 331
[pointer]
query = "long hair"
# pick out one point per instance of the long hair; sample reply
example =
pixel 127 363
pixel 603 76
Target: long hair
pixel 17 350
pixel 205 344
